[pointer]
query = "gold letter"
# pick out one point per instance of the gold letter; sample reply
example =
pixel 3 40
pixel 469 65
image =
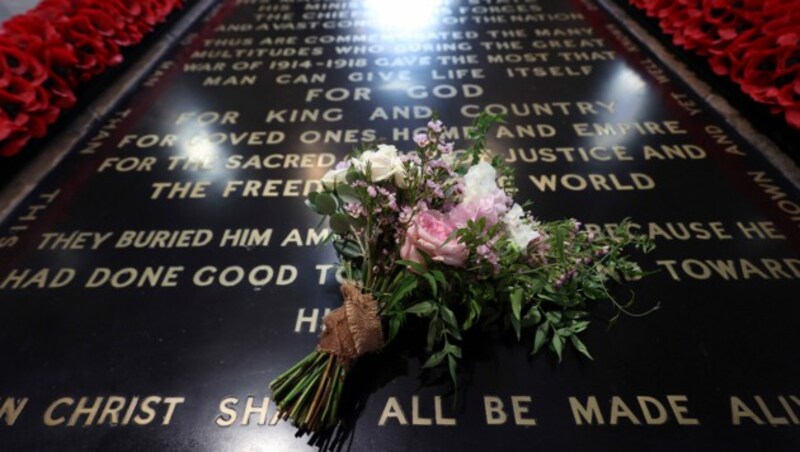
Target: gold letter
pixel 392 409
pixel 48 415
pixel 494 410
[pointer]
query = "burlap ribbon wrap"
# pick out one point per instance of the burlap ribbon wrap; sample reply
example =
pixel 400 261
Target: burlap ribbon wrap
pixel 353 329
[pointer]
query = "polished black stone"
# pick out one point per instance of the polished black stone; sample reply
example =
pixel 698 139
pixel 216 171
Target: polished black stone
pixel 728 323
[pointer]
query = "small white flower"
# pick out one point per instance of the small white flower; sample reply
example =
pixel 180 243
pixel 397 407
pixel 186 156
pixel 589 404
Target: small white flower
pixel 451 159
pixel 384 163
pixel 480 182
pixel 522 233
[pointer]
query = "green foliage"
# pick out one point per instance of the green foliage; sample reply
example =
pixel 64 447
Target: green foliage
pixel 542 294
pixel 544 291
pixel 339 223
pixel 477 134
pixel 530 295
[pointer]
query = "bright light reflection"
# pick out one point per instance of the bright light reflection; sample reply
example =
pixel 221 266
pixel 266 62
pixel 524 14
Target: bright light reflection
pixel 201 151
pixel 396 85
pixel 627 89
pixel 201 157
pixel 402 15
pixel 630 80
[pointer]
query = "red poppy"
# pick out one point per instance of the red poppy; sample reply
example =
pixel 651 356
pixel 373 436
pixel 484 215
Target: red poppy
pixel 25 103
pixel 46 52
pixel 40 39
pixel 756 43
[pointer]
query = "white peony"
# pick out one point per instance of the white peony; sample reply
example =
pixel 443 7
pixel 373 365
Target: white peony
pixel 334 177
pixel 520 230
pixel 480 182
pixel 384 163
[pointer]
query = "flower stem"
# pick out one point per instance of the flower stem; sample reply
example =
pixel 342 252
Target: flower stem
pixel 309 392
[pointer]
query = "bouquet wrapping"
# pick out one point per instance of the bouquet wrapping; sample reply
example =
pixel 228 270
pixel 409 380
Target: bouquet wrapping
pixel 434 233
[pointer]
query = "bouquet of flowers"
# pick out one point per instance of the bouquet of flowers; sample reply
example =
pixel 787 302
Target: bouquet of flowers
pixel 436 234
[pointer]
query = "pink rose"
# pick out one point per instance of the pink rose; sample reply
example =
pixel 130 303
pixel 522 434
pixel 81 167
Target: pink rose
pixel 491 207
pixel 428 232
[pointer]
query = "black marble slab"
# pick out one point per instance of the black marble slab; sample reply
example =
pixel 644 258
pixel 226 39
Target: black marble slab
pixel 157 280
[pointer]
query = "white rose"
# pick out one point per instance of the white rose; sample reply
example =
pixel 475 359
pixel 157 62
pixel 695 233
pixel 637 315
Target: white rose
pixel 383 163
pixel 480 182
pixel 520 230
pixel 333 177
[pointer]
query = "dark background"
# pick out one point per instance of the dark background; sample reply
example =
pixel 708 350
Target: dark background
pixel 712 339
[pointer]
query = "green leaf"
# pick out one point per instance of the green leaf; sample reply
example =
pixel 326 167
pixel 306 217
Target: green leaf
pixel 516 308
pixel 448 317
pixel 414 265
pixel 431 281
pixel 353 175
pixel 558 240
pixel 532 317
pixel 394 326
pixel 435 331
pixel 422 309
pixel 326 204
pixel 312 197
pixel 407 285
pixel 536 287
pixel 454 350
pixel 579 326
pixel 575 314
pixel 439 276
pixel 313 207
pixel 481 223
pixel 452 364
pixel 564 332
pixel 557 343
pixel 516 302
pixel 540 338
pixel 347 248
pixel 339 223
pixel 580 346
pixel 472 315
pixel 347 193
pixel 553 317
pixel 358 222
pixel 435 359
